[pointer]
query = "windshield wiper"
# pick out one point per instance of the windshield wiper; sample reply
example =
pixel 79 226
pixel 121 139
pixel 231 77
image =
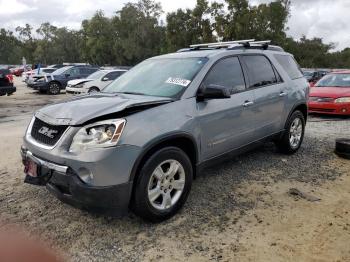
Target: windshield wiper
pixel 132 93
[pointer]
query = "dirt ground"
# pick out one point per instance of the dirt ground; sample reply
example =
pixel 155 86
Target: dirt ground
pixel 238 211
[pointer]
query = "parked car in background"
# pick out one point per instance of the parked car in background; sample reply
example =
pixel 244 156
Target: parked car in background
pixel 313 75
pixel 57 66
pixel 29 76
pixel 331 94
pixel 76 83
pixel 6 83
pixel 141 142
pixel 19 70
pixel 55 82
pixel 95 82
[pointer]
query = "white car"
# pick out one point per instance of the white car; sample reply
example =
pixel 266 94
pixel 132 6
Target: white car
pixel 29 76
pixel 94 82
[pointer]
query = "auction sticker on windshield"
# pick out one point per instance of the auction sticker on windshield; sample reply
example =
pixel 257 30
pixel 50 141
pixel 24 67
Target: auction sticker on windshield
pixel 178 81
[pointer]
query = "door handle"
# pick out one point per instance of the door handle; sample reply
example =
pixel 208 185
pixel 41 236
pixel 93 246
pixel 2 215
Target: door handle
pixel 248 103
pixel 282 94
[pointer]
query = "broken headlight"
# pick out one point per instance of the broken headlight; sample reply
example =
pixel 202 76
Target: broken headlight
pixel 98 135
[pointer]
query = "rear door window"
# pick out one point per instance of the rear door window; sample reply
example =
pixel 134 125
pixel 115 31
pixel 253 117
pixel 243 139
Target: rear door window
pixel 289 65
pixel 227 73
pixel 261 72
pixel 74 71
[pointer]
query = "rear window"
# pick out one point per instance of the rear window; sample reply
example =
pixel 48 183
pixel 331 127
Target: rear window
pixel 289 65
pixel 49 70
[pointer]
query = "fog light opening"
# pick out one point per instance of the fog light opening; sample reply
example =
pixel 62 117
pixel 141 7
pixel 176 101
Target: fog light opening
pixel 85 175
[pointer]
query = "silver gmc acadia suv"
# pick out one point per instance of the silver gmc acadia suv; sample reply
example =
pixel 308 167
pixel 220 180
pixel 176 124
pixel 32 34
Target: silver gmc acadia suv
pixel 140 142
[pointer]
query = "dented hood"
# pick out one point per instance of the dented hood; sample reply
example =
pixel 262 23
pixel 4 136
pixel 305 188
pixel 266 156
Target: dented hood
pixel 82 109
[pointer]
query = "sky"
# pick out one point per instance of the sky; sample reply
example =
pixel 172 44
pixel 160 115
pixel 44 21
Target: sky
pixel 327 19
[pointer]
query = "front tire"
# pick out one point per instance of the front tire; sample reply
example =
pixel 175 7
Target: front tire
pixel 293 135
pixel 163 185
pixel 54 88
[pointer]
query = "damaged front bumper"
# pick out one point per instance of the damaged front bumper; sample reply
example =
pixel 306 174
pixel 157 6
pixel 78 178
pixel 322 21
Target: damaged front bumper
pixel 69 188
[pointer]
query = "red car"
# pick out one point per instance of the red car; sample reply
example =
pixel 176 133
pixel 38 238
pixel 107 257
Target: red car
pixel 331 94
pixel 19 70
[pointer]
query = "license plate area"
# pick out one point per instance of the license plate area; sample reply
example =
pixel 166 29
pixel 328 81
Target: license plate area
pixel 36 174
pixel 31 168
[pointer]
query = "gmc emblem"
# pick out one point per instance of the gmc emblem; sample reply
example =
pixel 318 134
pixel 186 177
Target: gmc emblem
pixel 47 132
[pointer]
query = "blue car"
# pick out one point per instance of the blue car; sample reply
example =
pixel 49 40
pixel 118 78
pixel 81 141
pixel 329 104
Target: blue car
pixel 52 84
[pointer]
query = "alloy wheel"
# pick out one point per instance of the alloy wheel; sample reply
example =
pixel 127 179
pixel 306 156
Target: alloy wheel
pixel 54 89
pixel 166 184
pixel 295 132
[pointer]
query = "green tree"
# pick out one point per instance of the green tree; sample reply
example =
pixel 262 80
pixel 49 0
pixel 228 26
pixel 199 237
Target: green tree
pixel 10 48
pixel 138 33
pixel 242 21
pixel 310 52
pixel 185 27
pixel 98 37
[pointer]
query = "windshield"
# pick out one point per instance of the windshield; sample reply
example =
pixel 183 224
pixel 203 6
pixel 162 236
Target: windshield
pixel 336 80
pixel 158 77
pixel 61 70
pixel 308 73
pixel 96 75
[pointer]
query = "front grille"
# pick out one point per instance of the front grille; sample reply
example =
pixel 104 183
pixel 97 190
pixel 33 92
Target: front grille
pixel 321 110
pixel 321 99
pixel 45 133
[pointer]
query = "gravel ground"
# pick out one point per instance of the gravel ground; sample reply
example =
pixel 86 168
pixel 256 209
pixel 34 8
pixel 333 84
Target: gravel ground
pixel 239 210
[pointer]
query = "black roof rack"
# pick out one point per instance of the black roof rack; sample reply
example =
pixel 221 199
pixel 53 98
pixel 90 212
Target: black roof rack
pixel 234 45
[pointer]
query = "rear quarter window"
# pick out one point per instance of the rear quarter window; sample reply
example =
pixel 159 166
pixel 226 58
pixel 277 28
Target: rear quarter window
pixel 289 65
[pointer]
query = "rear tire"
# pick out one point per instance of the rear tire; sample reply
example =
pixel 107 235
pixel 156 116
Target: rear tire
pixel 54 88
pixel 293 135
pixel 342 147
pixel 163 185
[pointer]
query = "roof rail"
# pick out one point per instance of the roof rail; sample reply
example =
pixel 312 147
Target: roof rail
pixel 264 43
pixel 231 45
pixel 221 44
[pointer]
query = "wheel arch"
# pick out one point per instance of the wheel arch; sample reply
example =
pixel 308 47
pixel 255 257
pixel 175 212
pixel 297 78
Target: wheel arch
pixel 183 141
pixel 93 87
pixel 302 107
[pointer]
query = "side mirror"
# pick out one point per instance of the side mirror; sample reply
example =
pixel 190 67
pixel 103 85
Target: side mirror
pixel 214 92
pixel 105 79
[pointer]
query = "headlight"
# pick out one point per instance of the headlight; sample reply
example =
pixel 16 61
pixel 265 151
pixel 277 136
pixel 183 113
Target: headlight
pixel 342 100
pixel 98 135
pixel 78 86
